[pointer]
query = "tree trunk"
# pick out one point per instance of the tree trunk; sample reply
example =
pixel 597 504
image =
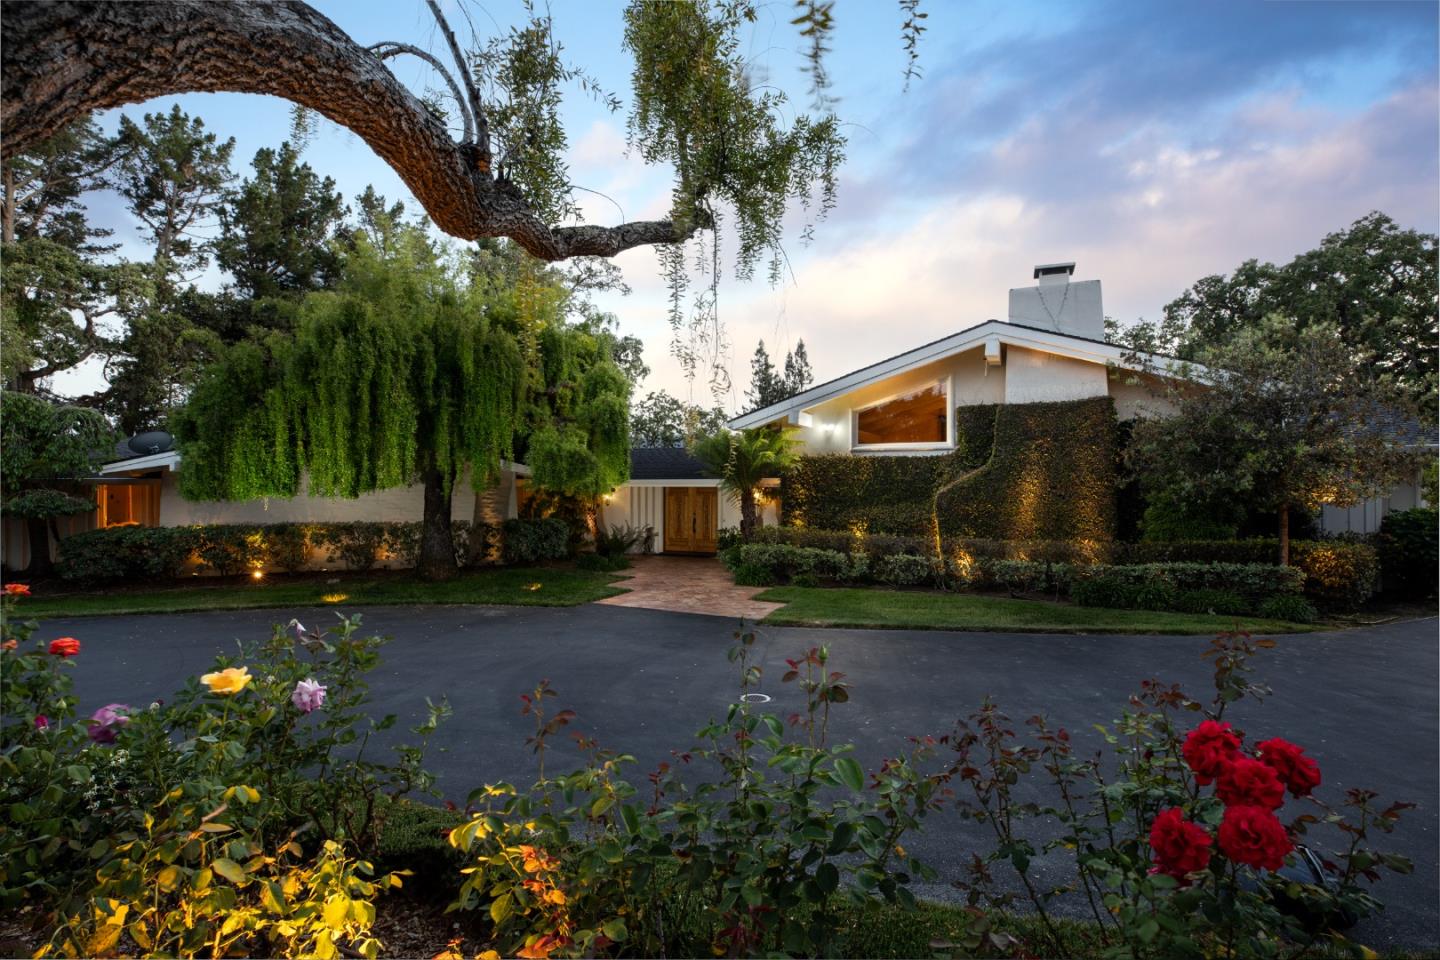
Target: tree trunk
pixel 65 59
pixel 37 531
pixel 1284 534
pixel 437 540
pixel 747 513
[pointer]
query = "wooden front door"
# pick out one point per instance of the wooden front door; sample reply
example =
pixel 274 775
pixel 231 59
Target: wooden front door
pixel 691 519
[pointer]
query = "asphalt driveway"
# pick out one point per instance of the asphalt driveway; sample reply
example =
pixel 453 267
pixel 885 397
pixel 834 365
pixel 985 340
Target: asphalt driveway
pixel 1364 703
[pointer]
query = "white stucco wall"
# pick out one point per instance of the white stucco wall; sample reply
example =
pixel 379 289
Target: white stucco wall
pixel 1365 517
pixel 396 505
pixel 1135 399
pixel 1033 376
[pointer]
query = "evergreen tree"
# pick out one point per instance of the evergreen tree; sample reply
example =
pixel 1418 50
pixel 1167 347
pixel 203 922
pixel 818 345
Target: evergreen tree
pixel 277 229
pixel 798 376
pixel 57 285
pixel 766 386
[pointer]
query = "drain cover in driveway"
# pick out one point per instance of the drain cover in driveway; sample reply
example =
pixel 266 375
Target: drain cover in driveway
pixel 754 698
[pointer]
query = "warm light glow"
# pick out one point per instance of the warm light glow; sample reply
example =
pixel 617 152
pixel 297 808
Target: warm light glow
pixel 533 586
pixel 256 574
pixel 859 529
pixel 335 597
pixel 964 563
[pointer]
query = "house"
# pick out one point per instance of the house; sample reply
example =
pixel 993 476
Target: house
pixel 1050 349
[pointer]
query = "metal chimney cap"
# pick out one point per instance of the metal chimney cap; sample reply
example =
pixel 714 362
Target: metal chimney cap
pixel 1050 269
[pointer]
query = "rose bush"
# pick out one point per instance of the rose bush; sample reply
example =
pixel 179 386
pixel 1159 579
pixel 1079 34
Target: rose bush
pixel 1178 847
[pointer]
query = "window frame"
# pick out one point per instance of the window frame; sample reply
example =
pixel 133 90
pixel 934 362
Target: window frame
pixel 948 382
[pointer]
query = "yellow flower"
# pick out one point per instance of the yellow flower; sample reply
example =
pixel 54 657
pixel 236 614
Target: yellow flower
pixel 227 681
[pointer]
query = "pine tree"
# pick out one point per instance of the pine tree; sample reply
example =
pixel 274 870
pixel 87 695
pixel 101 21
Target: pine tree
pixel 798 375
pixel 766 386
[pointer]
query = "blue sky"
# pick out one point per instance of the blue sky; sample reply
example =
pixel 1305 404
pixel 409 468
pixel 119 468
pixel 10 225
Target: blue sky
pixel 1152 142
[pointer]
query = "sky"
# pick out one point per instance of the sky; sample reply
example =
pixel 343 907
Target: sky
pixel 1153 143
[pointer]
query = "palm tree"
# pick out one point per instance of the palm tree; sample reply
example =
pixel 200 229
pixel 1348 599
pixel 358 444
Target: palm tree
pixel 740 461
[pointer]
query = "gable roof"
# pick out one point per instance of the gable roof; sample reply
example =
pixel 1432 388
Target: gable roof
pixel 1018 334
pixel 665 463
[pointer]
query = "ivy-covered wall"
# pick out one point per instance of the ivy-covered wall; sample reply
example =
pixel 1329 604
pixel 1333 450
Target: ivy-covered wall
pixel 1032 471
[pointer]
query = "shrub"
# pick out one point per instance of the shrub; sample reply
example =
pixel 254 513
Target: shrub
pixel 356 544
pixel 783 562
pixel 1102 592
pixel 127 553
pixel 617 540
pixel 1223 602
pixel 602 562
pixel 1409 552
pixel 1255 550
pixel 1339 575
pixel 1169 519
pixel 1027 576
pixel 905 570
pixel 727 537
pixel 535 540
pixel 287 546
pixel 1175 838
pixel 1252 582
pixel 232 548
pixel 753 575
pixel 1288 607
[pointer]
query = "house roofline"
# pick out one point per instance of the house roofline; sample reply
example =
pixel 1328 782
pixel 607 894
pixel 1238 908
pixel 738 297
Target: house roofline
pixel 1018 334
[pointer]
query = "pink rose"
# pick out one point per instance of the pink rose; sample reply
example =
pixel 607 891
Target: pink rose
pixel 107 721
pixel 42 722
pixel 308 696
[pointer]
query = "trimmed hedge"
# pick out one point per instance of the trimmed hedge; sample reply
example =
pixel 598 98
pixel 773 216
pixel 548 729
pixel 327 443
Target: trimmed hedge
pixel 150 553
pixel 1051 475
pixel 1252 581
pixel 1409 553
pixel 1031 471
pixel 534 540
pixel 1339 574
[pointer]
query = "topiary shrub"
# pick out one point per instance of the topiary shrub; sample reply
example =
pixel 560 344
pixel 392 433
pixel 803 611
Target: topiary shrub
pixel 1288 607
pixel 1340 575
pixel 535 540
pixel 1409 553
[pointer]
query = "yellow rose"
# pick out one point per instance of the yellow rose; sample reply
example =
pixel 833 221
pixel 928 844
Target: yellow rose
pixel 227 681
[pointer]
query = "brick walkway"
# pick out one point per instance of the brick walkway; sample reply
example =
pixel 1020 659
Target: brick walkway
pixel 688 585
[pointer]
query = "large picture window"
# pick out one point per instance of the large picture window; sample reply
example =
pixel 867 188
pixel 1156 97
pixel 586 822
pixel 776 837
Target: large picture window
pixel 916 417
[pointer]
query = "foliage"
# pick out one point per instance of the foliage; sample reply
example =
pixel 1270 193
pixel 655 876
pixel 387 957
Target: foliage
pixel 749 852
pixel 1430 483
pixel 277 231
pixel 1339 575
pixel 1284 421
pixel 743 461
pixel 59 283
pixel 1168 519
pixel 230 817
pixel 1288 607
pixel 660 420
pixel 1169 864
pixel 1409 552
pixel 1229 602
pixel 46 504
pixel 1020 472
pixel 42 442
pixel 618 541
pixel 768 386
pixel 783 563
pixel 1373 280
pixel 904 570
pixel 535 540
pixel 397 376
pixel 1128 584
pixel 149 553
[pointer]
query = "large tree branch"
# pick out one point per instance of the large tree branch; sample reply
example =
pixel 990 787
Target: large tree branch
pixel 64 59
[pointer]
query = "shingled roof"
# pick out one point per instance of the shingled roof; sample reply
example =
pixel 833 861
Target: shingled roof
pixel 665 463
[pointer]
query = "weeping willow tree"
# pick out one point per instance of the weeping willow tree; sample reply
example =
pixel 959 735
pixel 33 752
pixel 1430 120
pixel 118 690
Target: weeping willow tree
pixel 403 375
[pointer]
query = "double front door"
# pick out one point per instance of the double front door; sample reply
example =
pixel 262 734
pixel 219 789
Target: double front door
pixel 691 519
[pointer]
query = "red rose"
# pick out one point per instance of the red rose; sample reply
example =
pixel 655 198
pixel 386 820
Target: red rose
pixel 1209 749
pixel 65 647
pixel 17 590
pixel 1255 837
pixel 1300 773
pixel 1249 783
pixel 1179 846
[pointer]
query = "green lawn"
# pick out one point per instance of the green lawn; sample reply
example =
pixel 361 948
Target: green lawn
pixel 558 587
pixel 855 607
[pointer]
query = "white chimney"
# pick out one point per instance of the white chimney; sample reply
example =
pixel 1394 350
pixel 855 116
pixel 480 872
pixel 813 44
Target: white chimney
pixel 1058 303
